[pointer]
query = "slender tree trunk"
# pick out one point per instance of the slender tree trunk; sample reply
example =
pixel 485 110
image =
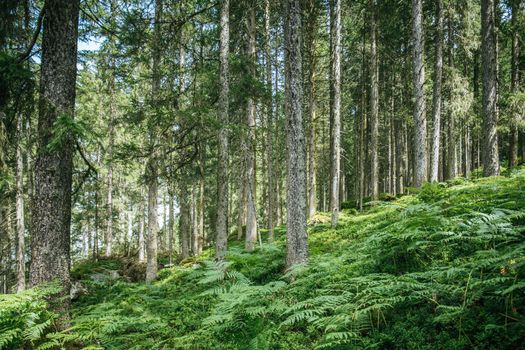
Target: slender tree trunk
pixel 489 64
pixel 51 208
pixel 142 248
pixel 269 121
pixel 185 218
pixel 420 122
pixel 20 229
pixel 296 236
pixel 312 106
pixel 222 166
pixel 374 105
pixel 363 128
pixel 152 166
pixel 514 81
pixel 171 221
pixel 335 108
pixel 436 98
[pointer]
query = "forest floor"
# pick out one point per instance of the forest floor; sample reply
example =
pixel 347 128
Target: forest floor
pixel 440 269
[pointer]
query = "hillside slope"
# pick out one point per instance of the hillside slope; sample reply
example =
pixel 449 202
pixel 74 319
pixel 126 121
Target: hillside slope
pixel 443 269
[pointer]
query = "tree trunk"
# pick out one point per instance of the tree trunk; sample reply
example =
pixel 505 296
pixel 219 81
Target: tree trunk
pixel 312 106
pixel 296 236
pixel 20 229
pixel 51 208
pixel 420 122
pixel 335 108
pixel 185 218
pixel 489 65
pixel 222 165
pixel 436 98
pixel 269 121
pixel 514 81
pixel 374 105
pixel 251 218
pixel 152 166
pixel 142 248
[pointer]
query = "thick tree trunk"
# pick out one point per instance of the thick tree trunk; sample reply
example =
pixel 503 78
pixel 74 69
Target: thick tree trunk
pixel 335 108
pixel 436 98
pixel 251 218
pixel 296 236
pixel 420 122
pixel 51 208
pixel 222 166
pixel 374 105
pixel 185 218
pixel 489 65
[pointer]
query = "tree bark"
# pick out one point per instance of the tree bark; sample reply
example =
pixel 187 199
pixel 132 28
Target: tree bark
pixel 514 81
pixel 251 218
pixel 312 106
pixel 296 236
pixel 51 207
pixel 20 228
pixel 222 166
pixel 374 105
pixel 152 166
pixel 142 248
pixel 335 107
pixel 489 100
pixel 420 122
pixel 436 98
pixel 269 126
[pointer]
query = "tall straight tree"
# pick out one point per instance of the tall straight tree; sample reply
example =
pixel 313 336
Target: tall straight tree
pixel 489 100
pixel 251 218
pixel 296 236
pixel 269 123
pixel 312 105
pixel 51 207
pixel 436 98
pixel 335 106
pixel 514 79
pixel 20 227
pixel 420 121
pixel 152 165
pixel 222 165
pixel 374 104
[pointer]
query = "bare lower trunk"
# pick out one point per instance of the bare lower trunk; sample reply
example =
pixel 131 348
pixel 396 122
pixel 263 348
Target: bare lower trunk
pixel 20 229
pixel 312 106
pixel 222 166
pixel 420 122
pixel 335 89
pixel 269 126
pixel 296 235
pixel 436 99
pixel 185 218
pixel 374 106
pixel 51 207
pixel 515 79
pixel 151 246
pixel 142 248
pixel 490 119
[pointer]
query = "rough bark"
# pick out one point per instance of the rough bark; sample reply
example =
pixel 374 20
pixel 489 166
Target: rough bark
pixel 420 122
pixel 51 207
pixel 312 106
pixel 514 81
pixel 20 227
pixel 152 166
pixel 489 100
pixel 269 126
pixel 296 236
pixel 436 98
pixel 171 220
pixel 251 218
pixel 374 105
pixel 335 107
pixel 185 218
pixel 222 165
pixel 142 248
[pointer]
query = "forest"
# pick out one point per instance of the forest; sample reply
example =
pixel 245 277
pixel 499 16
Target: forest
pixel 262 174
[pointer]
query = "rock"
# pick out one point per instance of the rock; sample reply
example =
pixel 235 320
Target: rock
pixel 77 289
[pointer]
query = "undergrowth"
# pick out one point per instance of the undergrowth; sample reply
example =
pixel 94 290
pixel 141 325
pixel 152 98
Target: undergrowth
pixel 441 269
